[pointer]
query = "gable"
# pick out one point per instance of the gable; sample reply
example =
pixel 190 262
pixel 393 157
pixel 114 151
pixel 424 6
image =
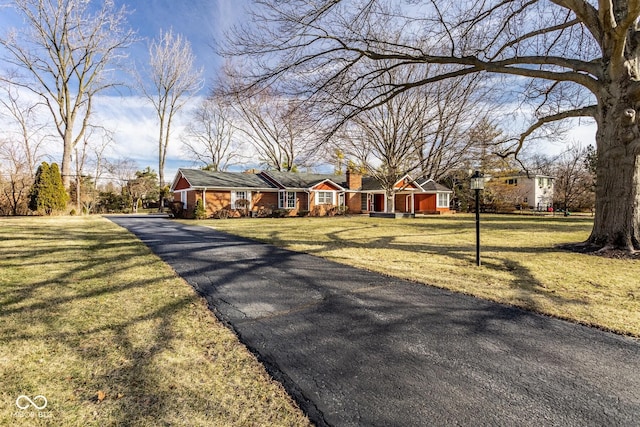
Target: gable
pixel 181 184
pixel 401 185
pixel 325 186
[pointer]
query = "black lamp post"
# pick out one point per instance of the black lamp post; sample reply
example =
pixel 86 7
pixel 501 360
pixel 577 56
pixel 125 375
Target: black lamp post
pixel 477 184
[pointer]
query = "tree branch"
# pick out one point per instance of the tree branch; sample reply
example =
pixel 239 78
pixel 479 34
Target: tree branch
pixel 589 111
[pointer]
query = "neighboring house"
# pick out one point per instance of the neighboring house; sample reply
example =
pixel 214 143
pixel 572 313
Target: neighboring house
pixel 295 193
pixel 536 191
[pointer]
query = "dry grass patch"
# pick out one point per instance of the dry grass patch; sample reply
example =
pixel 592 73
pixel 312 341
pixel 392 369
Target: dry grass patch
pixel 108 333
pixel 521 262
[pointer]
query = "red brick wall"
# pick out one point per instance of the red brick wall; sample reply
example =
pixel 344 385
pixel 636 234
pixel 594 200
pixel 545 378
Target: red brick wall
pixel 217 200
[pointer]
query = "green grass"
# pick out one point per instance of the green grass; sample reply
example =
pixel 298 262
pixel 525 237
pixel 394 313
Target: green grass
pixel 108 333
pixel 521 264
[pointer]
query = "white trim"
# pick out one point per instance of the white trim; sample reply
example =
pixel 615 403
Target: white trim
pixel 235 198
pixel 334 184
pixel 317 195
pixel 286 199
pixel 438 204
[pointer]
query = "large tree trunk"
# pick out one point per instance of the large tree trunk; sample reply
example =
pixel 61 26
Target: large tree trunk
pixel 65 167
pixel 617 219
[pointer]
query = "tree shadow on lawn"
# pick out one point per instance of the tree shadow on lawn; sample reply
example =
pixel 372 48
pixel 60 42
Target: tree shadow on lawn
pixel 77 322
pixel 497 258
pixel 72 271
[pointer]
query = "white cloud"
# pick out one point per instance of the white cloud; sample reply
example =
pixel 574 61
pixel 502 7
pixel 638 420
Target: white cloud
pixel 135 128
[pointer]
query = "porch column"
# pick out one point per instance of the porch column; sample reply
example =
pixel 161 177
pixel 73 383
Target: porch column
pixel 413 204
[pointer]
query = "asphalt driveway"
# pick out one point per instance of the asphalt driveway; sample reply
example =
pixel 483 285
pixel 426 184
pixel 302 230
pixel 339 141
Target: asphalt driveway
pixel 359 348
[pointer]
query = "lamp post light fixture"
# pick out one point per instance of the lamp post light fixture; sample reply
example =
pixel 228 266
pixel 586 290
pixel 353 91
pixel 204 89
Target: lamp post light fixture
pixel 477 184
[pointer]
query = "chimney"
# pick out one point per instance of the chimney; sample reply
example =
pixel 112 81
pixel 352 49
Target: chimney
pixel 354 180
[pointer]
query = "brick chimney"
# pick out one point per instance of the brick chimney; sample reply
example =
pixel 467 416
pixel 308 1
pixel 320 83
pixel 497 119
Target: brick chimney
pixel 354 180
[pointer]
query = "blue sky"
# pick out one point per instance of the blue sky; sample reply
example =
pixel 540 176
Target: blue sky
pixel 202 22
pixel 125 112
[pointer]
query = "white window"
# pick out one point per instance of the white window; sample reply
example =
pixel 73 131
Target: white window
pixel 287 200
pixel 443 200
pixel 238 199
pixel 324 198
pixel 183 199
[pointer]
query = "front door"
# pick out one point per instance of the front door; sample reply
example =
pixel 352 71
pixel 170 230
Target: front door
pixel 378 202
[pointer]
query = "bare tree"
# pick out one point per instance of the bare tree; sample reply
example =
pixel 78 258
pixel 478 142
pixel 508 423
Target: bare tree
pixel 573 187
pixel 276 126
pixel 427 131
pixel 28 131
pixel 579 59
pixel 20 151
pixel 209 137
pixel 15 177
pixel 89 154
pixel 123 170
pixel 64 52
pixel 172 80
pixel 387 141
pixel 457 126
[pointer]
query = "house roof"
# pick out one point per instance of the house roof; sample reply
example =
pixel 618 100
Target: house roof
pixel 370 184
pixel 273 180
pixel 207 179
pixel 430 185
pixel 304 180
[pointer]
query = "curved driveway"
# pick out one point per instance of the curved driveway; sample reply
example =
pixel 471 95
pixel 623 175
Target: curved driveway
pixel 358 348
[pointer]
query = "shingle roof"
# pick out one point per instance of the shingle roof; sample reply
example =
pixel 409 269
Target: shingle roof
pixel 431 185
pixel 370 184
pixel 199 178
pixel 206 179
pixel 304 180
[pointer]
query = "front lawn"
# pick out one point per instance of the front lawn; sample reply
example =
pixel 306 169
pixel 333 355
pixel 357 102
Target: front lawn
pixel 107 333
pixel 521 263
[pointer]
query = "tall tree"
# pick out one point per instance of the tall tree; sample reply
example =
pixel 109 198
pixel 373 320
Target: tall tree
pixel 172 80
pixel 456 126
pixel 62 55
pixel 276 126
pixel 578 59
pixel 84 191
pixel 209 137
pixel 387 140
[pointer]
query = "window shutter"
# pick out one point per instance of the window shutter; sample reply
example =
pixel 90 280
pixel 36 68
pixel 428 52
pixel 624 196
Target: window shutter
pixel 233 200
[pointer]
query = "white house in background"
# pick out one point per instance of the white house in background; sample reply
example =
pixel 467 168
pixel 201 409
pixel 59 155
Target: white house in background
pixel 536 190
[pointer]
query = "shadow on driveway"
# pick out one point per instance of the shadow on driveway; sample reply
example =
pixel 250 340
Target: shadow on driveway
pixel 358 348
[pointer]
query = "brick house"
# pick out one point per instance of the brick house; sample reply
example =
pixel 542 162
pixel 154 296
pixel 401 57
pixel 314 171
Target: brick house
pixel 294 193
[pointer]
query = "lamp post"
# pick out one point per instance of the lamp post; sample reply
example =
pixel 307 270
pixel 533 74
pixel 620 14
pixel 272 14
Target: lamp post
pixel 477 184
